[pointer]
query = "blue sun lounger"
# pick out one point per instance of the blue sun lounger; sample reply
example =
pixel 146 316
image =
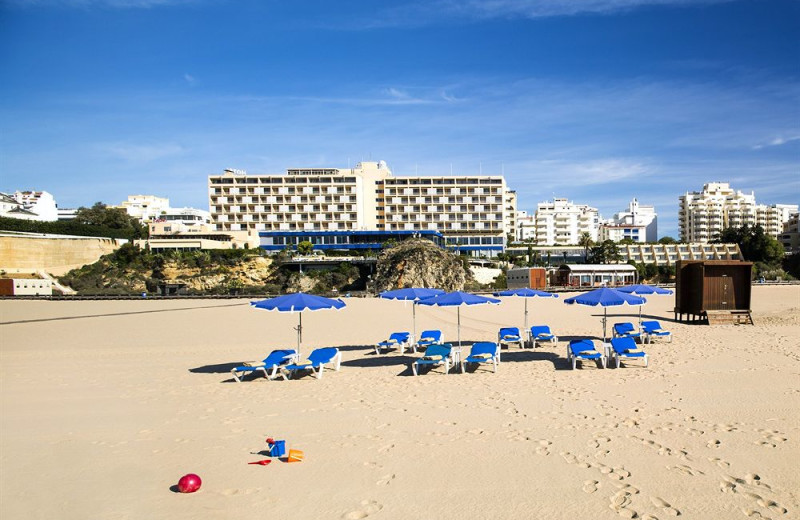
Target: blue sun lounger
pixel 435 355
pixel 627 348
pixel 482 352
pixel 583 349
pixel 626 330
pixel 269 366
pixel 396 339
pixel 509 335
pixel 427 338
pixel 540 333
pixel 315 362
pixel 653 329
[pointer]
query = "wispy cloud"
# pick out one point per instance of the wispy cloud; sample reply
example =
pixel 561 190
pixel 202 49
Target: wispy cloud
pixel 778 141
pixel 424 12
pixel 372 97
pixel 105 4
pixel 189 79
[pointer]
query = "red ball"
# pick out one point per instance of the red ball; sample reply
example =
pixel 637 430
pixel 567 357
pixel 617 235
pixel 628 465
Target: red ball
pixel 189 483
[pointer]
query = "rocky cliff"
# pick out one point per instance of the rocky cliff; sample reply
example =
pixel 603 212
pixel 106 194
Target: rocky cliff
pixel 419 263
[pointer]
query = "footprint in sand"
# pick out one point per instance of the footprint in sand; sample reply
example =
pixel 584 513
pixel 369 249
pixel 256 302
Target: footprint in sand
pixel 233 492
pixel 686 470
pixel 386 480
pixel 619 502
pixel 543 448
pixel 569 457
pixel 714 443
pixel 663 504
pixel 590 486
pixel 719 462
pixel 367 507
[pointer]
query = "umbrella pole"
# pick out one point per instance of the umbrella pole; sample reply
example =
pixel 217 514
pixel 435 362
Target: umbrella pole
pixel 640 317
pixel 526 314
pixel 459 326
pixel 605 315
pixel 299 332
pixel 414 320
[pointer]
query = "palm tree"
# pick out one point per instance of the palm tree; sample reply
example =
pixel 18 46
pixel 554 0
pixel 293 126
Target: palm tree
pixel 586 242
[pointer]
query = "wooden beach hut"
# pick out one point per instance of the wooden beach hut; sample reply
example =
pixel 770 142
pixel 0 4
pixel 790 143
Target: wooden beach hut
pixel 527 278
pixel 714 290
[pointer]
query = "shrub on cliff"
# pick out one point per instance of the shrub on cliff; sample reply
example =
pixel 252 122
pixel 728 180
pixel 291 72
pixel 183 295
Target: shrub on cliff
pixel 420 263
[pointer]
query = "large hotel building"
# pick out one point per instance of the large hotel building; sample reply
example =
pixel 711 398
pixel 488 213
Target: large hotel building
pixel 703 215
pixel 329 206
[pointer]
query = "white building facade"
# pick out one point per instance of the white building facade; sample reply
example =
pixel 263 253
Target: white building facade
pixel 561 222
pixel 146 208
pixel 703 215
pixel 790 237
pixel 29 205
pixel 526 226
pixel 467 210
pixel 638 223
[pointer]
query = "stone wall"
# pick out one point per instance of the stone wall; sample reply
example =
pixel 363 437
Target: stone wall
pixel 53 254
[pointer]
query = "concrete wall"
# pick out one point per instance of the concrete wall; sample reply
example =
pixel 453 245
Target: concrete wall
pixel 55 254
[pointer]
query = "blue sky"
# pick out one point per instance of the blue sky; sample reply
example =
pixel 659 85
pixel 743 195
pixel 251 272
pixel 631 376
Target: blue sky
pixel 598 101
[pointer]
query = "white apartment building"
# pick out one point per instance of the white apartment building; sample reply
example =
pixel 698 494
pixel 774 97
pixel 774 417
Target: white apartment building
pixel 9 205
pixel 619 232
pixel 145 207
pixel 29 205
pixel 187 217
pixel 703 215
pixel 790 237
pixel 526 226
pixel 470 211
pixel 562 222
pixel 638 222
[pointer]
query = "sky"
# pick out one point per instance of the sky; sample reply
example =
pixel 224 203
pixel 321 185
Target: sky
pixel 596 101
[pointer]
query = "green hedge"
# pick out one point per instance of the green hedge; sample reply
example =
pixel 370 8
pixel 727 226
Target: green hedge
pixel 66 227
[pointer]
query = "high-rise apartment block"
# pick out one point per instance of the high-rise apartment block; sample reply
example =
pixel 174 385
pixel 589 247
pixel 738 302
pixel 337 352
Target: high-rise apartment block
pixel 703 215
pixel 472 212
pixel 562 222
pixel 639 224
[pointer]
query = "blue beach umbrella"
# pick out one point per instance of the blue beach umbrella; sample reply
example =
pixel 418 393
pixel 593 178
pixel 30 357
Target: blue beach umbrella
pixel 298 302
pixel 457 299
pixel 640 289
pixel 412 294
pixel 606 298
pixel 526 293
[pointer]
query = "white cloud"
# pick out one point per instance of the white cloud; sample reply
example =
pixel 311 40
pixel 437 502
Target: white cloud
pixel 427 12
pixel 113 4
pixel 778 141
pixel 189 79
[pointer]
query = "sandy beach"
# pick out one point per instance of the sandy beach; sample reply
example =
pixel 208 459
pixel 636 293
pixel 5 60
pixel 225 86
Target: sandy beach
pixel 105 405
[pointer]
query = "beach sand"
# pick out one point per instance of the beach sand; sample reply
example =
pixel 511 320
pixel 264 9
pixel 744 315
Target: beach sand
pixel 105 405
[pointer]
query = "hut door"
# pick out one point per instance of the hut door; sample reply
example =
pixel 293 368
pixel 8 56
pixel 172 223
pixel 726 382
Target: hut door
pixel 726 292
pixel 718 285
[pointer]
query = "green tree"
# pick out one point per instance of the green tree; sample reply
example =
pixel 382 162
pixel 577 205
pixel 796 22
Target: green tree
pixel 305 247
pixel 500 282
pixel 667 240
pixel 585 241
pixel 756 246
pixel 112 218
pixel 627 241
pixel 606 252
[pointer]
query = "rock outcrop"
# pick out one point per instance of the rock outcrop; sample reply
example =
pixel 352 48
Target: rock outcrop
pixel 419 263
